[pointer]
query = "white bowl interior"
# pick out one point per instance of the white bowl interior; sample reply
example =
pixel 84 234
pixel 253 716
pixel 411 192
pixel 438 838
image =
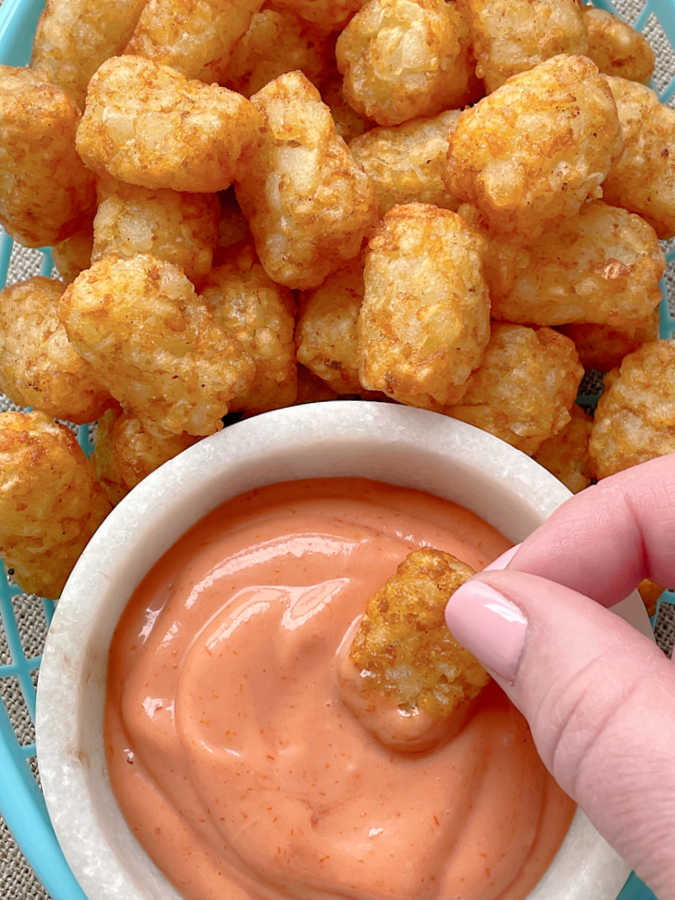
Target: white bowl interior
pixel 390 443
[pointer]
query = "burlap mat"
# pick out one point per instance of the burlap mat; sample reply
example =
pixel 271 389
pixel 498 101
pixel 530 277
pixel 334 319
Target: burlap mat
pixel 17 880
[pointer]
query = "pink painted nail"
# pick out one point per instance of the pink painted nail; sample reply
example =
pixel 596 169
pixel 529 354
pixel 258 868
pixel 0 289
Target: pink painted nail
pixel 490 626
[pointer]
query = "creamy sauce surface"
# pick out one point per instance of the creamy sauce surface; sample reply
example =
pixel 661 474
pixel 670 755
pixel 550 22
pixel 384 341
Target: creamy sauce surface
pixel 235 762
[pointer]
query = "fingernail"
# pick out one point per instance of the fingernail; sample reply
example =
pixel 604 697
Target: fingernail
pixel 502 561
pixel 490 626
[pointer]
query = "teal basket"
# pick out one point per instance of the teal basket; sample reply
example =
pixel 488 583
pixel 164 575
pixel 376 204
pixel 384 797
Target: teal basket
pixel 21 801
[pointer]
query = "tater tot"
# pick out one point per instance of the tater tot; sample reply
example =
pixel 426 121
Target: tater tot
pixel 312 389
pixel 39 367
pixel 326 333
pixel 45 190
pixel 406 58
pixel 405 164
pixel 348 122
pixel 603 347
pixel 195 37
pixel 405 677
pixel 260 315
pixel 74 37
pixel 530 153
pixel 425 319
pixel 125 452
pixel 50 501
pixel 276 42
pixel 512 36
pixel 73 255
pixel 148 125
pixel 642 179
pixel 154 344
pixel 178 227
pixel 635 417
pixel 616 48
pixel 328 15
pixel 232 227
pixel 565 454
pixel 307 203
pixel 524 388
pixel 602 265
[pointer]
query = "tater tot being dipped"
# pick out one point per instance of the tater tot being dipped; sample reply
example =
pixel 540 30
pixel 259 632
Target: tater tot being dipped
pixel 50 501
pixel 39 366
pixel 406 58
pixel 425 319
pixel 45 190
pixel 308 205
pixel 147 124
pixel 401 671
pixel 154 344
pixel 530 153
pixel 524 388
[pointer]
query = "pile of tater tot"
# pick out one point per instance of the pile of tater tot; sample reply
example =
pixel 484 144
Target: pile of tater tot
pixel 452 204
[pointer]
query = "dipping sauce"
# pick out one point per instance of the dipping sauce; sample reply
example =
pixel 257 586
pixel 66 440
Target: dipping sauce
pixel 235 762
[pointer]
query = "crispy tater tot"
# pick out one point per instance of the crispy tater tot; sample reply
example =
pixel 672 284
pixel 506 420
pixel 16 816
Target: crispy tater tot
pixel 530 153
pixel 405 676
pixel 50 501
pixel 125 452
pixel 45 190
pixel 74 37
pixel 39 367
pixel 154 344
pixel 326 333
pixel 642 179
pixel 524 388
pixel 312 389
pixel 276 42
pixel 260 315
pixel 73 255
pixel 405 164
pixel 348 122
pixel 181 228
pixel 307 203
pixel 635 417
pixel 328 15
pixel 650 592
pixel 565 454
pixel 425 318
pixel 602 265
pixel 603 347
pixel 148 125
pixel 406 58
pixel 616 48
pixel 511 36
pixel 196 37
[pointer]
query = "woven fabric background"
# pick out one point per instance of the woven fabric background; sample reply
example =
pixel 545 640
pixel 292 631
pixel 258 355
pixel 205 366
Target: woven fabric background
pixel 17 880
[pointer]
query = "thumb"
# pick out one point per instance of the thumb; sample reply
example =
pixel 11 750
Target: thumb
pixel 600 701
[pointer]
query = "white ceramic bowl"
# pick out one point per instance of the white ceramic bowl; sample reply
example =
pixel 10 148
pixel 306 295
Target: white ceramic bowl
pixel 390 443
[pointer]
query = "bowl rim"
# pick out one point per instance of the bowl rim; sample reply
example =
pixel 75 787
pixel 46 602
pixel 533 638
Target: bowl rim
pixel 295 442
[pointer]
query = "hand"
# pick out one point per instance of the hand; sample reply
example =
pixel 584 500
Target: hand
pixel 598 695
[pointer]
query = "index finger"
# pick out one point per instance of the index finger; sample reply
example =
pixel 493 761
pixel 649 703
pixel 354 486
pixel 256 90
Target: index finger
pixel 604 541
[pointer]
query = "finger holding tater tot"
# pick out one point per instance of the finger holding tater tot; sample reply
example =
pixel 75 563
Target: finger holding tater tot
pixel 39 366
pixel 530 153
pixel 195 37
pixel 50 501
pixel 74 37
pixel 425 319
pixel 616 48
pixel 154 344
pixel 45 190
pixel 403 674
pixel 308 205
pixel 406 58
pixel 147 124
pixel 176 226
pixel 524 388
